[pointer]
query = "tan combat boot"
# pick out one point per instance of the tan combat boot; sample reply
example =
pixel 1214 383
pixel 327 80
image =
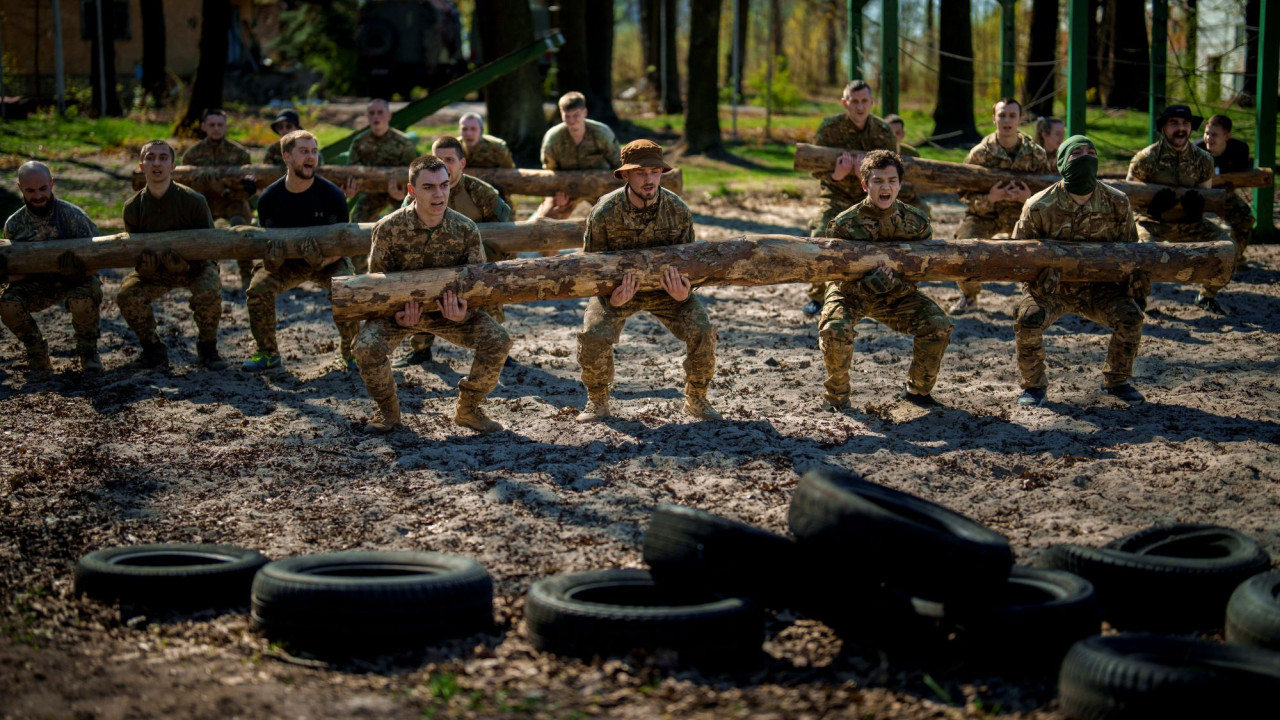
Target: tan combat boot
pixel 40 367
pixel 697 405
pixel 470 415
pixel 597 408
pixel 835 403
pixel 89 360
pixel 386 419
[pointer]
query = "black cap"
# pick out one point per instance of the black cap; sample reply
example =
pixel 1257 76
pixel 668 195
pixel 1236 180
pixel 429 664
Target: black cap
pixel 287 115
pixel 1179 111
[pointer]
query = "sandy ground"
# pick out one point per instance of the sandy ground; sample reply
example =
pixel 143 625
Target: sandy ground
pixel 274 463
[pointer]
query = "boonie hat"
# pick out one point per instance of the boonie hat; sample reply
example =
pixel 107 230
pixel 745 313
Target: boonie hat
pixel 1178 111
pixel 641 153
pixel 287 115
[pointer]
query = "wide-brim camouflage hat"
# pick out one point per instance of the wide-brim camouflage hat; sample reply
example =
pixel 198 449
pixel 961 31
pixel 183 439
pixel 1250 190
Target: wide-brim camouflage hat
pixel 287 115
pixel 1178 111
pixel 641 154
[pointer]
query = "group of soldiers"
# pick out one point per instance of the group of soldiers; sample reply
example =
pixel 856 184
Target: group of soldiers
pixel 434 225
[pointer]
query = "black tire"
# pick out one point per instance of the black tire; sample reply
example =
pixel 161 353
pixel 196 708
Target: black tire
pixel 169 576
pixel 693 548
pixel 1174 578
pixel 613 612
pixel 851 525
pixel 372 600
pixel 1253 612
pixel 1152 676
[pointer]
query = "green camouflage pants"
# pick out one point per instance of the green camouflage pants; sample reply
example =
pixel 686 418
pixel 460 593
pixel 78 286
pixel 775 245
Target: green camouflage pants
pixel 1239 216
pixel 688 321
pixel 268 285
pixel 37 292
pixel 903 309
pixel 1199 231
pixel 975 226
pixel 818 228
pixel 1105 303
pixel 422 341
pixel 477 331
pixel 236 212
pixel 137 293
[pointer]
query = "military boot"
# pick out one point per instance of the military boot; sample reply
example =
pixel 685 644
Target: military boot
pixel 597 408
pixel 40 367
pixel 154 355
pixel 469 414
pixel 208 357
pixel 697 405
pixel 386 419
pixel 89 360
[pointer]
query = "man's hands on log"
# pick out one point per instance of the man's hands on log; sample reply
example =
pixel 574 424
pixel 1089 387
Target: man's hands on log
pixel 310 250
pixel 1192 205
pixel 676 285
pixel 274 256
pixel 250 184
pixel 622 294
pixel 453 307
pixel 1047 283
pixel 846 165
pixel 881 280
pixel 1162 202
pixel 409 316
pixel 1010 191
pixel 350 188
pixel 70 265
pixel 395 190
pixel 151 264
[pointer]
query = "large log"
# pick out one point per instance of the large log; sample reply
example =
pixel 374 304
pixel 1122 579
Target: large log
pixel 941 176
pixel 248 242
pixel 224 181
pixel 1253 178
pixel 775 259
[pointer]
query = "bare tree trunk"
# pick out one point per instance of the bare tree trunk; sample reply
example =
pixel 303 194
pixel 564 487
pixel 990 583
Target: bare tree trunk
pixel 954 111
pixel 1252 16
pixel 571 59
pixel 153 50
pixel 744 13
pixel 599 25
pixel 108 55
pixel 1041 79
pixel 206 90
pixel 1130 59
pixel 514 101
pixel 775 29
pixel 1093 76
pixel 702 116
pixel 833 42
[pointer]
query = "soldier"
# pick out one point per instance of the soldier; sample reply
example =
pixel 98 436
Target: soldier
pixel 1078 208
pixel 1050 132
pixel 216 150
pixel 639 215
pixel 993 214
pixel 857 131
pixel 424 235
pixel 880 294
pixel 299 199
pixel 162 206
pixel 1174 161
pixel 479 202
pixel 44 216
pixel 382 146
pixel 483 151
pixel 907 193
pixel 575 144
pixel 286 122
pixel 1231 155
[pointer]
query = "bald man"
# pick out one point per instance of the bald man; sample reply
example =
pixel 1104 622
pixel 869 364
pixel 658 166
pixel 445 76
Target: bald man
pixel 44 216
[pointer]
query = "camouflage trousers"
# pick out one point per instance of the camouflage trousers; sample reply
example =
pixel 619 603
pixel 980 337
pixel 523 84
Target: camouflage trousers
pixel 818 228
pixel 906 310
pixel 422 341
pixel 137 293
pixel 1239 217
pixel 267 285
pixel 83 297
pixel 236 212
pixel 976 226
pixel 1201 230
pixel 477 331
pixel 1105 303
pixel 687 321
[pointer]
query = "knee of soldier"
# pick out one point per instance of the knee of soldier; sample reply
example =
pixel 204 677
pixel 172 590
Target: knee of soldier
pixel 837 332
pixel 259 291
pixel 1031 316
pixel 499 340
pixel 11 310
pixel 1127 313
pixel 591 341
pixel 79 304
pixel 938 329
pixel 368 349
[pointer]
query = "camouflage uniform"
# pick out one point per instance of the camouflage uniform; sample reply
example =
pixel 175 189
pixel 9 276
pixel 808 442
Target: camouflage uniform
pixel 1051 214
pixel 615 224
pixel 393 149
pixel 207 153
pixel 275 156
pixel 34 293
pixel 489 152
pixel 1163 165
pixel 400 243
pixel 599 150
pixel 268 284
pixel 984 219
pixel 181 208
pixel 838 131
pixel 901 307
pixel 908 192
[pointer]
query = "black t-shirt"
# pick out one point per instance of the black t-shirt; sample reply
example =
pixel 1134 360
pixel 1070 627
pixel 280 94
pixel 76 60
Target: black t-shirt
pixel 1234 157
pixel 321 204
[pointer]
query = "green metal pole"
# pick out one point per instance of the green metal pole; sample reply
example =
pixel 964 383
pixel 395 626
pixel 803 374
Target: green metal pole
pixel 1265 144
pixel 1077 65
pixel 1159 59
pixel 889 57
pixel 853 11
pixel 1008 47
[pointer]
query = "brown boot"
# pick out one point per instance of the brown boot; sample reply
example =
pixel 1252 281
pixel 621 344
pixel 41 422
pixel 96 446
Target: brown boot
pixel 697 405
pixel 89 360
pixel 39 366
pixel 470 415
pixel 597 408
pixel 386 419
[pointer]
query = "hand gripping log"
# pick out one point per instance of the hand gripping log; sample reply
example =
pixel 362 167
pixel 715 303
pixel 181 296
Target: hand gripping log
pixel 775 259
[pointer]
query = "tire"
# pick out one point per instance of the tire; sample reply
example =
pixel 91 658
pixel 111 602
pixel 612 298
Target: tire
pixel 1174 578
pixel 169 576
pixel 1253 612
pixel 372 600
pixel 692 548
pixel 851 525
pixel 1152 676
pixel 613 612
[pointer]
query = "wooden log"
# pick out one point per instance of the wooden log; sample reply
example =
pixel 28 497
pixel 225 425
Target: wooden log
pixel 774 259
pixel 245 242
pixel 1253 178
pixel 940 176
pixel 224 181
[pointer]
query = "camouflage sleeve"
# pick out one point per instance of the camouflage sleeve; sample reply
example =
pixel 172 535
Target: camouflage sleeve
pixel 844 227
pixel 501 210
pixel 613 151
pixel 1138 169
pixel 548 156
pixel 475 247
pixel 192 156
pixel 1129 232
pixel 240 156
pixel 408 153
pixel 505 160
pixel 1026 228
pixel 382 256
pixel 594 239
pixel 1206 170
pixel 8 228
pixel 82 226
pixel 976 200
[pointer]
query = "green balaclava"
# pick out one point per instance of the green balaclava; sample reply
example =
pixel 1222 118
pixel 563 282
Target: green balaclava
pixel 1080 176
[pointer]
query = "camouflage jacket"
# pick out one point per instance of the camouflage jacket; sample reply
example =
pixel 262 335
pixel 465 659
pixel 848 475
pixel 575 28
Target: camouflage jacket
pixel 393 149
pixel 489 152
pixel 599 149
pixel 1051 214
pixel 1161 164
pixel 476 199
pixel 837 131
pixel 868 223
pixel 275 156
pixel 223 152
pixel 401 242
pixel 616 224
pixel 66 221
pixel 1031 158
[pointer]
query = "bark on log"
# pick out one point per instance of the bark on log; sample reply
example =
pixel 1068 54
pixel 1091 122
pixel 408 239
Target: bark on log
pixel 940 176
pixel 1255 178
pixel 224 181
pixel 774 259
pixel 249 242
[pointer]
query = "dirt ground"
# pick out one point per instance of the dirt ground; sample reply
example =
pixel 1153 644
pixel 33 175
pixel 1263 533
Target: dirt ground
pixel 275 463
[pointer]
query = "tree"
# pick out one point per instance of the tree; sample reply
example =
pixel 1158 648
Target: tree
pixel 206 89
pixel 153 50
pixel 514 101
pixel 654 40
pixel 571 58
pixel 599 24
pixel 1125 75
pixel 1041 78
pixel 954 111
pixel 702 114
pixel 744 22
pixel 1252 16
pixel 108 56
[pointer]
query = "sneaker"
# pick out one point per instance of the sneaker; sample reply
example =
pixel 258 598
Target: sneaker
pixel 417 357
pixel 1125 393
pixel 1210 304
pixel 963 305
pixel 350 365
pixel 925 401
pixel 813 307
pixel 1032 397
pixel 261 362
pixel 699 407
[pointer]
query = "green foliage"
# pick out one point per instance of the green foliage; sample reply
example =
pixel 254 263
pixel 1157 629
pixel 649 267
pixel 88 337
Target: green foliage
pixel 319 35
pixel 783 92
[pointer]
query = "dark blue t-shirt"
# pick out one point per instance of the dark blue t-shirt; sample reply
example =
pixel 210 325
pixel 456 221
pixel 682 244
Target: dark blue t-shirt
pixel 321 204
